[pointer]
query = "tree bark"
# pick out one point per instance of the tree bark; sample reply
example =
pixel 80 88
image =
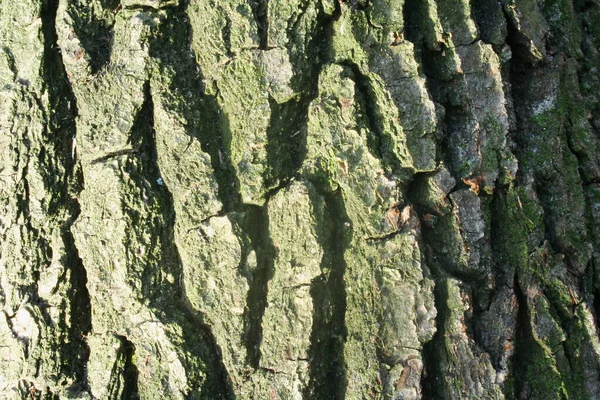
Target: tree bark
pixel 299 199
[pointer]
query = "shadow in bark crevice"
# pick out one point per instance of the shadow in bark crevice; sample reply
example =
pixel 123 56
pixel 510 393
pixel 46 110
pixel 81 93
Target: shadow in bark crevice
pixel 286 140
pixel 431 383
pixel 76 351
pixel 205 120
pixel 535 375
pixel 199 352
pixel 287 133
pixel 327 370
pixel 93 24
pixel 64 178
pixel 124 374
pixel 379 141
pixel 260 9
pixel 256 226
pixel 65 181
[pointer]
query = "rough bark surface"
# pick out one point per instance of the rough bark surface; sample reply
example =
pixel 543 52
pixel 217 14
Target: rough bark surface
pixel 299 199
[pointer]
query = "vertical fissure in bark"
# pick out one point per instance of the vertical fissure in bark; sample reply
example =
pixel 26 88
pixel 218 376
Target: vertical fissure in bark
pixel 589 12
pixel 226 34
pixel 286 139
pixel 124 374
pixel 318 49
pixel 379 141
pixel 211 380
pixel 260 9
pixel 288 130
pixel 581 155
pixel 142 167
pixel 93 25
pixel 60 117
pixel 75 351
pixel 256 226
pixel 596 296
pixel 326 353
pixel 411 18
pixel 365 96
pixel 518 43
pixel 198 337
pixel 535 374
pixel 431 379
pixel 575 339
pixel 64 182
pixel 523 335
pixel 205 120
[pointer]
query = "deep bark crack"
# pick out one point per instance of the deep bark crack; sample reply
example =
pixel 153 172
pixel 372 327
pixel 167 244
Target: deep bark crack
pixel 326 353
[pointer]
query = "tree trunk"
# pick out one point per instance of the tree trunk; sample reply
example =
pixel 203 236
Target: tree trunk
pixel 300 199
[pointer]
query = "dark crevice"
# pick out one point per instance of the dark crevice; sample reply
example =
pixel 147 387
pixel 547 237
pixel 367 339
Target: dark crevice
pixel 491 22
pixel 260 9
pixel 384 238
pixel 503 240
pixel 544 150
pixel 94 29
pixel 200 342
pixel 575 340
pixel 588 12
pixel 286 139
pixel 412 16
pixel 226 34
pixel 124 374
pixel 256 226
pixel 535 374
pixel 60 118
pixel 146 8
pixel 207 124
pixel 326 354
pixel 455 119
pixel 582 156
pixel 169 299
pixel 75 350
pixel 504 243
pixel 287 132
pixel 446 88
pixel 141 166
pixel 432 383
pixel 366 97
pixel 596 310
pixel 523 336
pixel 291 33
pixel 286 151
pixel 23 199
pixel 519 43
pixel 64 182
pixel 205 121
pixel 379 141
pixel 361 5
pixel 11 62
pixel 113 155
